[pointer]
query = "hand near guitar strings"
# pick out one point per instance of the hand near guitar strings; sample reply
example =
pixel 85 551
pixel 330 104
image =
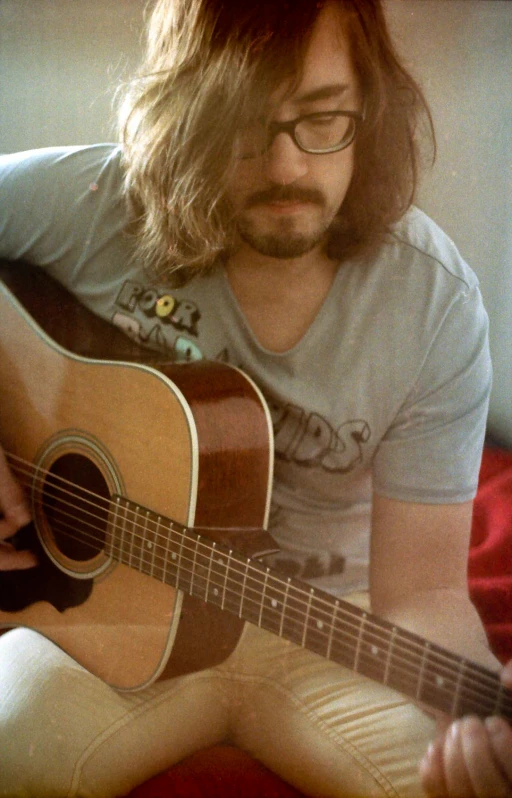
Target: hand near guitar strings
pixel 14 514
pixel 471 758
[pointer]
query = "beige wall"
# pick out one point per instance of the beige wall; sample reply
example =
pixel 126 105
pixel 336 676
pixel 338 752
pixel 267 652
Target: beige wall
pixel 61 59
pixel 462 52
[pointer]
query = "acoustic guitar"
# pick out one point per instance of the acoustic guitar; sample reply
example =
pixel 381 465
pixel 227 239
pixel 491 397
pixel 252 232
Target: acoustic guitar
pixel 150 486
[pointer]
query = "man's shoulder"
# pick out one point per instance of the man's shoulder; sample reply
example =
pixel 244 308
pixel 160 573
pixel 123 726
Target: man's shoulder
pixel 419 240
pixel 59 202
pixel 64 161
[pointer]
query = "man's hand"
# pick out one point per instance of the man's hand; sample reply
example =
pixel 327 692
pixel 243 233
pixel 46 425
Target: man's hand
pixel 14 514
pixel 471 758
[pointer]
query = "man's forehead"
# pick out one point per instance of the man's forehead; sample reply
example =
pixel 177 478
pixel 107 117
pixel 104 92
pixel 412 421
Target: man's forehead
pixel 327 70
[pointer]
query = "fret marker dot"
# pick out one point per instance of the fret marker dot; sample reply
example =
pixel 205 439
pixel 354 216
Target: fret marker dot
pixel 220 561
pixel 319 624
pixel 439 681
pixel 174 556
pixel 149 545
pixel 375 651
pixel 274 603
pixel 215 592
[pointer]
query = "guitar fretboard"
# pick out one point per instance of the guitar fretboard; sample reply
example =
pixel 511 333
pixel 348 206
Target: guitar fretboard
pixel 331 627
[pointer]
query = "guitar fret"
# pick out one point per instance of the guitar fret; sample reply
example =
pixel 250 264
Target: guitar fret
pixel 283 608
pixel 270 615
pixel 223 605
pixel 331 630
pixel 342 651
pixel 319 626
pixel 423 664
pixel 136 552
pixel 161 549
pixel 412 669
pixel 458 686
pixel 306 620
pixel 316 621
pixel 437 688
pixel 244 583
pixel 194 565
pixel 263 596
pixel 292 620
pixel 216 590
pixel 146 547
pixel 389 656
pixel 175 545
pixel 157 560
pixel 128 539
pixel 179 562
pixel 209 574
pixel 163 555
pixel 120 539
pixel 308 617
pixel 112 526
pixel 359 641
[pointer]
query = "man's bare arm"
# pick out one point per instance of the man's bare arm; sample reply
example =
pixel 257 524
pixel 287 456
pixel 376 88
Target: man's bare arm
pixel 419 580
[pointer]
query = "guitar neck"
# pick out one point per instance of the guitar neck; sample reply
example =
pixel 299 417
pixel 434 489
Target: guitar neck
pixel 328 626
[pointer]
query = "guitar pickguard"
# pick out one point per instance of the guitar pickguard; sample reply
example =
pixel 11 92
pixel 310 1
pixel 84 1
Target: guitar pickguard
pixel 45 582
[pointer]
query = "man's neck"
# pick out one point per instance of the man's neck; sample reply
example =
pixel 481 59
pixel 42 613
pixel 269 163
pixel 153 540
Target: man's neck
pixel 246 266
pixel 280 298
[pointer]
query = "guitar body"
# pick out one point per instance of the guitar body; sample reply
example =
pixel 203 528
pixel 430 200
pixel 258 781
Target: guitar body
pixel 191 442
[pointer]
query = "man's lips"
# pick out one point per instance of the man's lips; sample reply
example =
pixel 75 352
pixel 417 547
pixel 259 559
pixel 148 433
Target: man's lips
pixel 285 198
pixel 285 206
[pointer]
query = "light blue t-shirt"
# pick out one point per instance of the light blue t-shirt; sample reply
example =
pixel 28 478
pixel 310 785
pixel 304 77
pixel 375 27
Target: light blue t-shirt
pixel 388 387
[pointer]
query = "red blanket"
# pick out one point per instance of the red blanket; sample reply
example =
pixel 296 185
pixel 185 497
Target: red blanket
pixel 224 772
pixel 490 558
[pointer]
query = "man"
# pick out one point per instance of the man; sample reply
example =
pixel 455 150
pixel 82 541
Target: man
pixel 268 161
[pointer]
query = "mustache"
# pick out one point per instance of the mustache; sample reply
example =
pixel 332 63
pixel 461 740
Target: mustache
pixel 285 194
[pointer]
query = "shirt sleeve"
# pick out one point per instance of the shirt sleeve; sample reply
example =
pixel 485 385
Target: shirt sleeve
pixel 432 451
pixel 59 206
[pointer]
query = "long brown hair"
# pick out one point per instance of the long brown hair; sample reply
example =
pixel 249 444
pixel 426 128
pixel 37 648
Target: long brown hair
pixel 212 63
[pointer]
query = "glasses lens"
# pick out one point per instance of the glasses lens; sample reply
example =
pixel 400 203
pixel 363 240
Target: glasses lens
pixel 323 132
pixel 315 133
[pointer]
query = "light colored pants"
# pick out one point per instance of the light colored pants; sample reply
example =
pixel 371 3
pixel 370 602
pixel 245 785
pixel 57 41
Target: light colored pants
pixel 324 729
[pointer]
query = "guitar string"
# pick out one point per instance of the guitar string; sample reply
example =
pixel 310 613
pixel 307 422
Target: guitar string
pixel 71 490
pixel 475 696
pixel 341 612
pixel 368 623
pixel 400 665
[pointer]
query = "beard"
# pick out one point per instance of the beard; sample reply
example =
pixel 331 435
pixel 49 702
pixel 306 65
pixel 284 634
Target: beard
pixel 285 240
pixel 280 244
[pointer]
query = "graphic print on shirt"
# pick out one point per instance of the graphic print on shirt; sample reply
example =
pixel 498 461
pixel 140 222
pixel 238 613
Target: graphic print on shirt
pixel 304 565
pixel 159 311
pixel 309 440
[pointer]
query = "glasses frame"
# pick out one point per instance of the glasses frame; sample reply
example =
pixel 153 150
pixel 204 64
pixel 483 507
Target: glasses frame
pixel 274 128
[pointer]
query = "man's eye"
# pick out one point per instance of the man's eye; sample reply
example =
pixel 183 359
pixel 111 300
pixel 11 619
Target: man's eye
pixel 322 120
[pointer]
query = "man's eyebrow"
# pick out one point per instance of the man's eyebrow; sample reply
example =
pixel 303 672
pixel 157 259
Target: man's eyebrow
pixel 322 93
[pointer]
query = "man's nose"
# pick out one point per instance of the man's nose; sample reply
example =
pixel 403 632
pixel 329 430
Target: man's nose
pixel 284 163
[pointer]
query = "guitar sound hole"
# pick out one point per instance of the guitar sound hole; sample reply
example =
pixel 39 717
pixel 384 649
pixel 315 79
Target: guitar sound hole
pixel 75 499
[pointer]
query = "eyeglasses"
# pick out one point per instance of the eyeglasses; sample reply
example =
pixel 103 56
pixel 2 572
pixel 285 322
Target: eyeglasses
pixel 317 134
